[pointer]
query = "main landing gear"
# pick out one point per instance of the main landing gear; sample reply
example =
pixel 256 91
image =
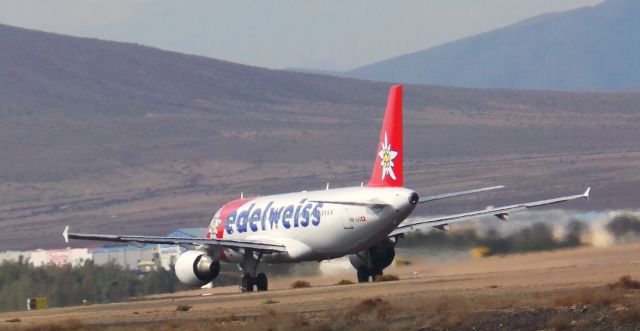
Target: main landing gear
pixel 370 262
pixel 250 278
pixel 364 273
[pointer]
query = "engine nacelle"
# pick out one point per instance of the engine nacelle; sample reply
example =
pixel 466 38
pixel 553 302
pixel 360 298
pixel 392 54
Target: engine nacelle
pixel 194 268
pixel 358 260
pixel 381 254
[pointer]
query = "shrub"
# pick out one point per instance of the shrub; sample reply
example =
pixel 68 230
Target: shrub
pixel 386 278
pixel 625 282
pixel 344 282
pixel 300 284
pixel 622 225
pixel 183 308
pixel 403 263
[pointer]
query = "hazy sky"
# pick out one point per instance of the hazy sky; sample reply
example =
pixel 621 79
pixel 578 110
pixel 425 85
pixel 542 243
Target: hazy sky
pixel 319 34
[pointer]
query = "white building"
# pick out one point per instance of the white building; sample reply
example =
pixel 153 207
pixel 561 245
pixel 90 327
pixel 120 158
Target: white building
pixel 60 257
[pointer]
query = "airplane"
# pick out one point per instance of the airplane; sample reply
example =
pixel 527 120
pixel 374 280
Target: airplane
pixel 363 222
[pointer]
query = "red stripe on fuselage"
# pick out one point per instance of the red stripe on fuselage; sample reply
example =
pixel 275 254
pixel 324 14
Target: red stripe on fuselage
pixel 224 214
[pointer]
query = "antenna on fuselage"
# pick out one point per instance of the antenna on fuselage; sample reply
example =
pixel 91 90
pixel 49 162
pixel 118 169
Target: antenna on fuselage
pixel 241 195
pixel 327 186
pixel 361 184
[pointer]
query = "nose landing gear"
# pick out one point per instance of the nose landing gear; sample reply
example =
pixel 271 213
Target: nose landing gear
pixel 260 281
pixel 249 278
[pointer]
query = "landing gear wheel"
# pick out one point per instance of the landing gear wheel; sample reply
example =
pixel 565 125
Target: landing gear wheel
pixel 261 282
pixel 246 284
pixel 363 274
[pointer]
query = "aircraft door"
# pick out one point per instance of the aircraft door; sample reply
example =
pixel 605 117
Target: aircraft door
pixel 347 220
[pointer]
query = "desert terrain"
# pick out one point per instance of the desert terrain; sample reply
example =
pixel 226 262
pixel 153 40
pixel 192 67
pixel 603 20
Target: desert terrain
pixel 119 138
pixel 567 289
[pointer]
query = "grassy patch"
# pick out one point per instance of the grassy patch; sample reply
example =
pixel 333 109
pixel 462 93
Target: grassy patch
pixel 272 320
pixel 371 310
pixel 561 321
pixel 227 319
pixel 627 315
pixel 447 312
pixel 597 297
pixel 270 301
pixel 69 325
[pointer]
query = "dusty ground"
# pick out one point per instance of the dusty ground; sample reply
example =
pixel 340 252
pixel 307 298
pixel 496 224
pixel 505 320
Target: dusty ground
pixel 550 290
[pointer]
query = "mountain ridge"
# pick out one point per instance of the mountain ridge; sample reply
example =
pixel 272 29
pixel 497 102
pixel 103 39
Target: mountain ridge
pixel 585 49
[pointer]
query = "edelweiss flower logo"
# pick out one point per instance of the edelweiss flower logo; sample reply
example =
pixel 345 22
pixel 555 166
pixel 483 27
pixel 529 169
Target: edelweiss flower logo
pixel 386 158
pixel 214 226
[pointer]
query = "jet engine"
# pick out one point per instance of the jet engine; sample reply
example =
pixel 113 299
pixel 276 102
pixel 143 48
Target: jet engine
pixel 194 268
pixel 372 261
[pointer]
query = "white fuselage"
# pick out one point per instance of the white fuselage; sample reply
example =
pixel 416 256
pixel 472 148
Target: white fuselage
pixel 314 225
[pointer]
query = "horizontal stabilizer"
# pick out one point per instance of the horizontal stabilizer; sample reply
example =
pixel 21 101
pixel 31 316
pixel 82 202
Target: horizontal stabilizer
pixel 372 204
pixel 457 194
pixel 500 212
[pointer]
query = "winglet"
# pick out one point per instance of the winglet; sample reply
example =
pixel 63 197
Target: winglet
pixel 587 192
pixel 65 234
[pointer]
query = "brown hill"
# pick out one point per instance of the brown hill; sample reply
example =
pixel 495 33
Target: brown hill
pixel 116 137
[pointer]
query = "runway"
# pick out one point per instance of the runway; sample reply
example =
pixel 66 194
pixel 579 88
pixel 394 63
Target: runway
pixel 481 287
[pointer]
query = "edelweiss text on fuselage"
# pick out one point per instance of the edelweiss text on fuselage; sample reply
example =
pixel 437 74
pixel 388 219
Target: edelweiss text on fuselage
pixel 254 220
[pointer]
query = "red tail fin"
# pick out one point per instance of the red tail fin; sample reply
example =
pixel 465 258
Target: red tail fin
pixel 387 169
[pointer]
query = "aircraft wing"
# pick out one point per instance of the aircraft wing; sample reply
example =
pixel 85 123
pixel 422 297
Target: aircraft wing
pixel 500 212
pixel 457 194
pixel 255 245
